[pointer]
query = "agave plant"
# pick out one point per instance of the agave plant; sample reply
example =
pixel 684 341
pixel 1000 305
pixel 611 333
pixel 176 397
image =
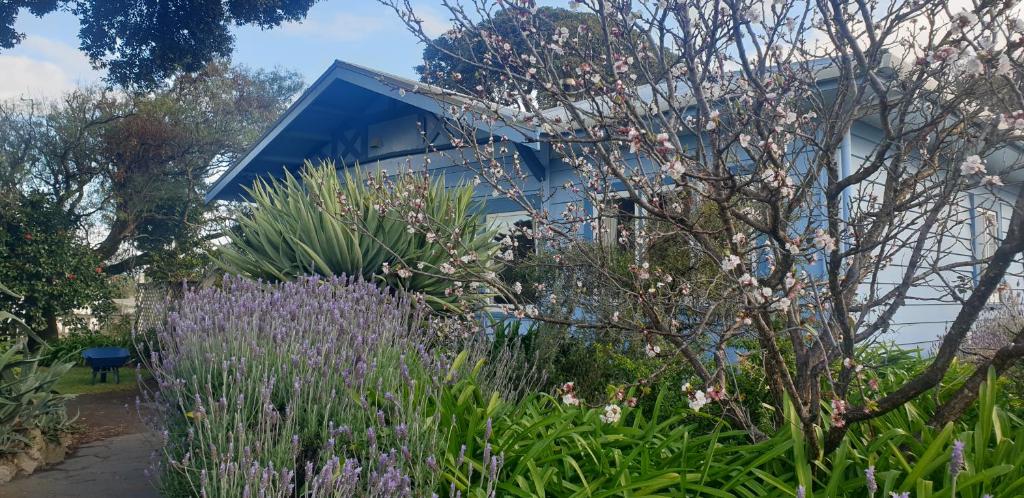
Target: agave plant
pixel 406 232
pixel 27 400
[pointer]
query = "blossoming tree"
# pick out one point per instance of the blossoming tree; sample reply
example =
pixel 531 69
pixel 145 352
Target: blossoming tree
pixel 740 151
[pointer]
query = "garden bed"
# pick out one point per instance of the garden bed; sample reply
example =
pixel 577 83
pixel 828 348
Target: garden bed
pixel 39 452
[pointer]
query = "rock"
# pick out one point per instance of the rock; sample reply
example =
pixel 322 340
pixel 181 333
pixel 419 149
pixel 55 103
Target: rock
pixel 7 470
pixel 26 463
pixel 54 453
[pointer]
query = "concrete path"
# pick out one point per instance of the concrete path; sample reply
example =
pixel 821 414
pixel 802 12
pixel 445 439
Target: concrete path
pixel 108 468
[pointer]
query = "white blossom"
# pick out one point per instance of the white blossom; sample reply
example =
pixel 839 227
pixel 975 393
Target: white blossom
pixel 652 350
pixel 612 414
pixel 992 181
pixel 824 241
pixel 972 165
pixel 698 400
pixel 730 262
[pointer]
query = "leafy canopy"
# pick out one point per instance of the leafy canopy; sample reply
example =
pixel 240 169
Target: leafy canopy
pixel 143 43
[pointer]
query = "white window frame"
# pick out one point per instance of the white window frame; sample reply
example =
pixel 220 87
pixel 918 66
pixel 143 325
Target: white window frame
pixel 638 217
pixel 986 240
pixel 504 221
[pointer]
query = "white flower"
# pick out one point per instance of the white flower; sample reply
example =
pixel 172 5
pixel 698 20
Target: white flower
pixel 790 281
pixel 748 280
pixel 992 180
pixel 570 399
pixel 404 273
pixel 612 414
pixel 652 350
pixel 665 140
pixel 730 262
pixel 447 268
pixel 744 140
pixel 698 400
pixel 781 305
pixel 739 239
pixel 1003 66
pixel 972 165
pixel 824 241
pixel 517 288
pixel 974 66
pixel 675 169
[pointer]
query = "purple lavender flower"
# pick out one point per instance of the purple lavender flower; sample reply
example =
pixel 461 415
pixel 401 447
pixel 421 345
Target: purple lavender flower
pixel 905 494
pixel 869 474
pixel 801 492
pixel 956 460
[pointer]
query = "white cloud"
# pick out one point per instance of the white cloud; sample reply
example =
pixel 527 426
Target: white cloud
pixel 433 24
pixel 341 26
pixel 43 68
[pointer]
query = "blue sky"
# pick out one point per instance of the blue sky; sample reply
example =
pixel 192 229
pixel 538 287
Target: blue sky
pixel 48 62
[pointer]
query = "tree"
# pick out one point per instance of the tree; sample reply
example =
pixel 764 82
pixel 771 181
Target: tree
pixel 102 183
pixel 48 270
pixel 143 43
pixel 130 171
pixel 747 121
pixel 472 65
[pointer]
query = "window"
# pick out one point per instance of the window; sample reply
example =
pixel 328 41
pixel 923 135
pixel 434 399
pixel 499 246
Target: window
pixel 618 222
pixel 516 225
pixel 986 241
pixel 987 238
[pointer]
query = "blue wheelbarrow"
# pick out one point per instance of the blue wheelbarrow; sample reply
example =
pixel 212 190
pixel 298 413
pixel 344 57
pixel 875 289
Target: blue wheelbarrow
pixel 104 360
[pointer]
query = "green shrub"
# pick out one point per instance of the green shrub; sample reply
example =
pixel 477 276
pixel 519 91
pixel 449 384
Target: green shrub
pixel 27 400
pixel 70 347
pixel 542 447
pixel 409 233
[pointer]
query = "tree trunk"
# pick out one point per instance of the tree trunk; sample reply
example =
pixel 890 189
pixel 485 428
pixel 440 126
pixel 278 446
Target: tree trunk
pixel 48 333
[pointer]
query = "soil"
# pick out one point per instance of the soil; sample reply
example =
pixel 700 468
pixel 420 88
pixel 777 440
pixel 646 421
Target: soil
pixel 105 415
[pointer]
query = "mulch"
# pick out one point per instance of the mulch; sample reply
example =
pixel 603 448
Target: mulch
pixel 106 415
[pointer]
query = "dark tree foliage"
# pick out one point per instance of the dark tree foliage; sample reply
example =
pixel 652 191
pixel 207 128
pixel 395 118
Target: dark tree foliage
pixel 143 43
pixel 131 170
pixel 44 260
pixel 9 9
pixel 445 61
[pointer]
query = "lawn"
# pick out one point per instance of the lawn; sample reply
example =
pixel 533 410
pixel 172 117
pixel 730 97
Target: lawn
pixel 79 381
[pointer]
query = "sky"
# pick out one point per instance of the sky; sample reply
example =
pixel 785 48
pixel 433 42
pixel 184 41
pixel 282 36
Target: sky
pixel 48 62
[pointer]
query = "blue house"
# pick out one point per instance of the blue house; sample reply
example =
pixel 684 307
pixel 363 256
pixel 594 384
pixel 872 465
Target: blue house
pixel 353 114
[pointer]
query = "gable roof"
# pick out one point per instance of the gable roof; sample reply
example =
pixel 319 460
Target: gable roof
pixel 349 86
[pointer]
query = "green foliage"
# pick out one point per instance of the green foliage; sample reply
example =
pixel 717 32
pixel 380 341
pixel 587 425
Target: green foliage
pixel 42 260
pixel 69 348
pixel 142 43
pixel 549 449
pixel 26 398
pixel 319 224
pixel 127 172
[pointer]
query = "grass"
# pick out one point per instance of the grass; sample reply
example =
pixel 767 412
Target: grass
pixel 79 381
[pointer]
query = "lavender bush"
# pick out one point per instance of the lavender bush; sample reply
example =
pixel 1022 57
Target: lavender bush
pixel 317 387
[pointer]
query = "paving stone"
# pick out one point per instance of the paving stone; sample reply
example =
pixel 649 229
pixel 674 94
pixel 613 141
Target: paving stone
pixel 110 468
